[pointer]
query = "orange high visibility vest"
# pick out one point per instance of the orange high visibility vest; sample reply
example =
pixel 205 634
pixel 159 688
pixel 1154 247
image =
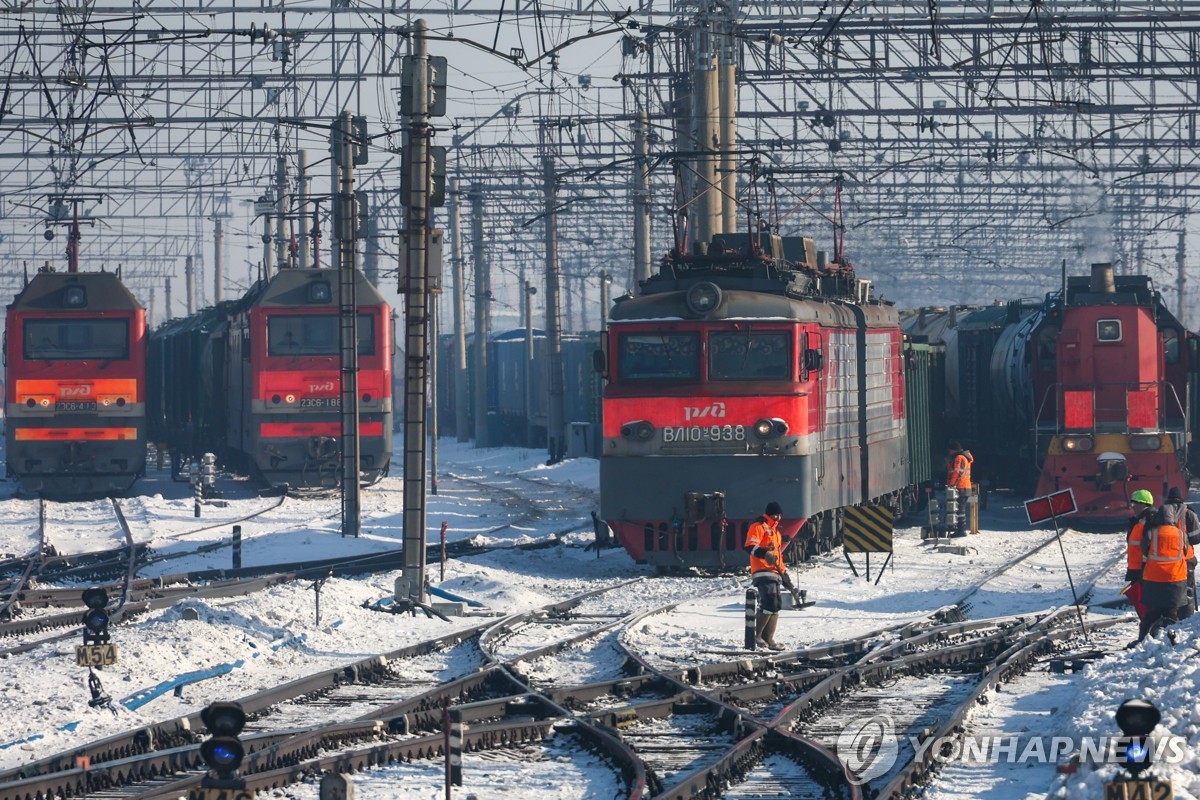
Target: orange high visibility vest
pixel 960 472
pixel 1133 552
pixel 765 533
pixel 1167 553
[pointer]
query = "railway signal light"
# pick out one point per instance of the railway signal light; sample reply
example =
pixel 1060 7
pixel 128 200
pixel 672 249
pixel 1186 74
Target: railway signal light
pixel 1136 718
pixel 95 619
pixel 224 751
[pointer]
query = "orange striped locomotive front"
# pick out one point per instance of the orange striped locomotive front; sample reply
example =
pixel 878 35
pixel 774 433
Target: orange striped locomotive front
pixel 75 347
pixel 295 392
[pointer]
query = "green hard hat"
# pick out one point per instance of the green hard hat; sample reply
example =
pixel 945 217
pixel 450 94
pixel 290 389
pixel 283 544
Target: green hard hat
pixel 1144 497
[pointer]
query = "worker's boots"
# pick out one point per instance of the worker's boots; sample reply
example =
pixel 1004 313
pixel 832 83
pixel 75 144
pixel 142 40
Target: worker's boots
pixel 769 632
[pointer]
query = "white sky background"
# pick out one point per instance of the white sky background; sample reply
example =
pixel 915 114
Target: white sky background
pixel 274 634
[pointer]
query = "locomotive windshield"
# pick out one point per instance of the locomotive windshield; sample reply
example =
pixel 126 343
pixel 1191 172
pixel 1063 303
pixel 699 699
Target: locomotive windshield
pixel 75 339
pixel 659 356
pixel 314 335
pixel 747 355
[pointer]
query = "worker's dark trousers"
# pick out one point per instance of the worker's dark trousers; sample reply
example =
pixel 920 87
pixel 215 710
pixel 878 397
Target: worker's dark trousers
pixel 1155 618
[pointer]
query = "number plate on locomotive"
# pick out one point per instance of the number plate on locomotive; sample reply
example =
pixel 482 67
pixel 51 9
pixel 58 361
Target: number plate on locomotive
pixel 320 402
pixel 706 434
pixel 75 405
pixel 96 655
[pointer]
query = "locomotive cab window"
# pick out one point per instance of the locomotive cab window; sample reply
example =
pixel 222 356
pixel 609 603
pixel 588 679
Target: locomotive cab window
pixel 749 355
pixel 659 356
pixel 1108 330
pixel 75 339
pixel 314 335
pixel 1170 345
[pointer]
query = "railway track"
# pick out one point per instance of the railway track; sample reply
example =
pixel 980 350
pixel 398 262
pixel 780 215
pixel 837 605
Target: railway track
pixel 732 729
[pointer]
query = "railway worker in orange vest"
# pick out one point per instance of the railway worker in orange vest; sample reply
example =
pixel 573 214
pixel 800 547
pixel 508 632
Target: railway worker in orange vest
pixel 1165 552
pixel 767 573
pixel 958 484
pixel 1143 510
pixel 1189 523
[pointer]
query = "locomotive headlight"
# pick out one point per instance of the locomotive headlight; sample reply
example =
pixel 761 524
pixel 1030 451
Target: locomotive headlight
pixel 1145 442
pixel 120 402
pixel 1078 444
pixel 640 430
pixel 781 426
pixel 106 401
pixel 703 298
pixel 291 398
pixel 31 402
pixel 45 402
pixel 764 428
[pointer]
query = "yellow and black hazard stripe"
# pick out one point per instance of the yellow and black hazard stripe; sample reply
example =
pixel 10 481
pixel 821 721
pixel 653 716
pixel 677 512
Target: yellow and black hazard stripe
pixel 867 529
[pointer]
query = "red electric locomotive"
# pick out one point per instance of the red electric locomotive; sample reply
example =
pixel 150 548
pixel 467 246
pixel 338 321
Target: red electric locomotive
pixel 258 382
pixel 743 376
pixel 75 372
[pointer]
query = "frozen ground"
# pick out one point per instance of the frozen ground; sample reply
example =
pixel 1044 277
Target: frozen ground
pixel 263 640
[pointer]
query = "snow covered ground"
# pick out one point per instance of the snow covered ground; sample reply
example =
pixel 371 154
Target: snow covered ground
pixel 255 642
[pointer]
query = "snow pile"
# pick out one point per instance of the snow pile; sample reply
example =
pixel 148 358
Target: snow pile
pixel 1165 675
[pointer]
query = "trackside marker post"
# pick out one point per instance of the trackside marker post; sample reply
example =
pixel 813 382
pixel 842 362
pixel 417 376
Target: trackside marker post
pixel 1051 507
pixel 751 603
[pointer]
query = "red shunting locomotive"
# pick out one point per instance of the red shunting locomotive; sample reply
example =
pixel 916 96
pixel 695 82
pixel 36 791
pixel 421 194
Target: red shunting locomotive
pixel 258 381
pixel 75 378
pixel 1111 403
pixel 742 376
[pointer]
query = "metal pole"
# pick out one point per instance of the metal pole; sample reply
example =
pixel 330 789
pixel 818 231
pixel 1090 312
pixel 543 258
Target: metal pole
pixel 1180 276
pixel 344 233
pixel 461 409
pixel 482 298
pixel 237 546
pixel 302 205
pixel 641 202
pixel 167 301
pixel 416 316
pixel 527 314
pixel 605 280
pixel 371 251
pixel 704 81
pixel 554 367
pixel 218 269
pixel 189 285
pixel 280 212
pixel 727 78
pixel 150 310
pixel 266 239
pixel 433 397
pixel 1070 580
pixel 685 142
